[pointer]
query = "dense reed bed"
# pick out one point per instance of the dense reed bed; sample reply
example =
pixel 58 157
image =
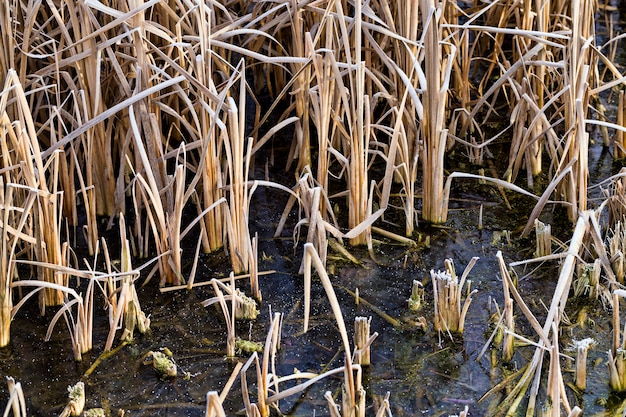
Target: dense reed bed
pixel 139 125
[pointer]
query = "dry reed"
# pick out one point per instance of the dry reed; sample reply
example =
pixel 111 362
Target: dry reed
pixel 448 292
pixel 16 402
pixel 150 99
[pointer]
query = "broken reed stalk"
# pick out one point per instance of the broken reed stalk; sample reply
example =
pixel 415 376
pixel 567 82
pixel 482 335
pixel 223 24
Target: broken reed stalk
pixel 615 199
pixel 76 400
pixel 532 374
pixel 229 316
pixel 417 296
pixel 214 406
pixel 544 239
pixel 617 354
pixel 588 281
pixel 448 289
pixel 16 402
pixel 361 339
pixel 333 408
pixel 312 200
pixel 124 308
pixel 581 347
pixel 552 405
pixel 354 395
pixel 508 341
pixel 245 307
pixel 11 234
pixel 616 239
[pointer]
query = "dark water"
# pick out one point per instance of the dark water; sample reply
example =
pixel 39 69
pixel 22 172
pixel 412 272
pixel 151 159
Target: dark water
pixel 424 372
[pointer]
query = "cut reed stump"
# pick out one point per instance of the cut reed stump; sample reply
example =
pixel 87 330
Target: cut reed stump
pixel 361 339
pixel 581 347
pixel 617 355
pixel 449 316
pixel 544 239
pixel 417 294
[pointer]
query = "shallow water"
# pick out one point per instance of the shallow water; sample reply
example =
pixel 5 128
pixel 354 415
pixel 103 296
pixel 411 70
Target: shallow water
pixel 424 372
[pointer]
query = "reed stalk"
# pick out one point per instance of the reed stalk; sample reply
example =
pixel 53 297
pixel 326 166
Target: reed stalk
pixel 448 292
pixel 229 315
pixel 353 402
pixel 13 221
pixel 619 144
pixel 323 98
pixel 508 342
pixel 35 175
pixel 211 179
pixel 435 135
pixel 361 338
pixel 238 154
pixel 417 296
pixel 264 377
pixel 214 406
pixel 124 308
pixel 576 100
pixel 333 408
pixel 543 234
pixel 80 324
pixel 617 354
pixel 581 347
pixel 76 403
pixel 16 402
